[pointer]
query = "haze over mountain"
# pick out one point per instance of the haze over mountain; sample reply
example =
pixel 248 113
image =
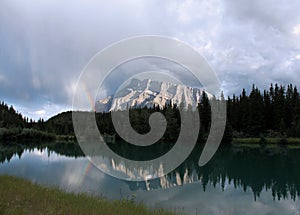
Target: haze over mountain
pixel 147 92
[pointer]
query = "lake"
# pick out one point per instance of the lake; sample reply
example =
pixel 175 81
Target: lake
pixel 238 180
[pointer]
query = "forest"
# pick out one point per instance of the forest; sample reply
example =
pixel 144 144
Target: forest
pixel 270 113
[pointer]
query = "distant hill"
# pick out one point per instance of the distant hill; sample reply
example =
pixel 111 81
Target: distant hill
pixel 60 124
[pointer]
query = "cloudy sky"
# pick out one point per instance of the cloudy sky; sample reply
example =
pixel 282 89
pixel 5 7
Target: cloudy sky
pixel 44 45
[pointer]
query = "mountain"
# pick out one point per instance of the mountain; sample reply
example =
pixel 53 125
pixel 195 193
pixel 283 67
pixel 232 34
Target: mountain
pixel 147 92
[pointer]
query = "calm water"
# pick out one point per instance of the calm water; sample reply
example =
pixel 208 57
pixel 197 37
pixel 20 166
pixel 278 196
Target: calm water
pixel 235 181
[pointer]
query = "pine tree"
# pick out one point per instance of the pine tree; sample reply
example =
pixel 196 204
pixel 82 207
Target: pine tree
pixel 205 112
pixel 268 113
pixel 278 103
pixel 282 127
pixel 244 111
pixel 289 110
pixel 256 108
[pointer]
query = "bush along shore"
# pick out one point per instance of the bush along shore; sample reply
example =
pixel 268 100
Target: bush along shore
pixel 13 135
pixel 25 134
pixel 290 142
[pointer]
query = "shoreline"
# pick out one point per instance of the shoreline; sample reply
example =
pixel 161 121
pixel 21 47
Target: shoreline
pixel 269 142
pixel 20 196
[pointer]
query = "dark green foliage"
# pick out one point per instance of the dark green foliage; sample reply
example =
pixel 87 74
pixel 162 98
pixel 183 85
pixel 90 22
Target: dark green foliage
pixel 228 134
pixel 61 124
pixel 15 127
pixel 262 141
pixel 139 118
pixel 204 112
pixel 282 141
pixel 282 127
pixel 276 111
pixel 24 134
pixel 268 111
pixel 10 118
pixel 256 112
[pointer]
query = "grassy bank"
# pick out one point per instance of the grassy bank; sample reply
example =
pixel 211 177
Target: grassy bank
pixel 267 142
pixel 18 196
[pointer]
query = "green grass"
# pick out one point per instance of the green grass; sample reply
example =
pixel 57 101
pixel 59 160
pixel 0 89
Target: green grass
pixel 18 196
pixel 270 142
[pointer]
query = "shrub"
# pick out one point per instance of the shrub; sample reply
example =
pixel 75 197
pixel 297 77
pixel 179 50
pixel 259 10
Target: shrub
pixel 263 141
pixel 282 141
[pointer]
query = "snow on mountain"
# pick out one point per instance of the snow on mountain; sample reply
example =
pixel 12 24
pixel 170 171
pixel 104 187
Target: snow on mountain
pixel 149 92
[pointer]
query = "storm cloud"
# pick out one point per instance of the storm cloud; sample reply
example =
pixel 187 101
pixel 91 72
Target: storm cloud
pixel 44 45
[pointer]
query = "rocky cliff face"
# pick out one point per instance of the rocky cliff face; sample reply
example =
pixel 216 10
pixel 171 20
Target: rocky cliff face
pixel 147 93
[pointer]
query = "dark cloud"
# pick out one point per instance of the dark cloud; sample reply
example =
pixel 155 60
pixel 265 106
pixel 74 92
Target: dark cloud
pixel 46 44
pixel 167 69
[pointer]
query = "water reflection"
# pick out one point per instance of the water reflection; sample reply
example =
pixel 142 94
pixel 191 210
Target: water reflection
pixel 275 170
pixel 7 151
pixel 235 181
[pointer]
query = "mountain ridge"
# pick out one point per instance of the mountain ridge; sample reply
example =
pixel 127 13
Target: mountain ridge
pixel 147 92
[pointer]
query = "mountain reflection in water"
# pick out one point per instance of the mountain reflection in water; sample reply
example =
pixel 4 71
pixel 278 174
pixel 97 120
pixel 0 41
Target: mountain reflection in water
pixel 275 169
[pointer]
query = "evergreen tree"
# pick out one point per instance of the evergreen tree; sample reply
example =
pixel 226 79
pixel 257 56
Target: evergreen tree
pixel 268 111
pixel 257 109
pixel 244 115
pixel 279 106
pixel 204 112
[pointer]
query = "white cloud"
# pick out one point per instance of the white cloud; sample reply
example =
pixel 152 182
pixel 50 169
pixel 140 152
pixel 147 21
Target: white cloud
pixel 39 112
pixel 191 11
pixel 35 112
pixel 296 30
pixel 45 45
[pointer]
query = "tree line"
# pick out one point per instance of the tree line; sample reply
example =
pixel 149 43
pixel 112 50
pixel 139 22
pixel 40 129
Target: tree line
pixel 271 113
pixel 274 112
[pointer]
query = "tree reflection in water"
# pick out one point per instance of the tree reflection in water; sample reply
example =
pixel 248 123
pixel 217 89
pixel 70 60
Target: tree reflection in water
pixel 276 169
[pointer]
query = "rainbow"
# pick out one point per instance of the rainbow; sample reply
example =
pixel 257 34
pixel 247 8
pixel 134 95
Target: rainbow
pixel 89 97
pixel 85 172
